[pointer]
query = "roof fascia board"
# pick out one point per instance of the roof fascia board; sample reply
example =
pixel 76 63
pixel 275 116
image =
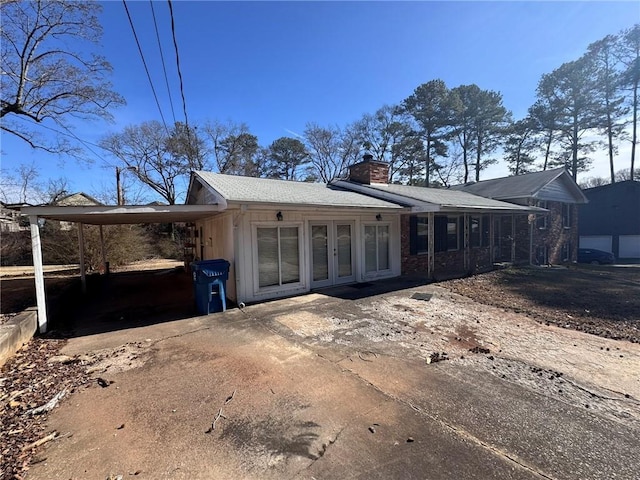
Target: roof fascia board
pixel 252 205
pixel 96 210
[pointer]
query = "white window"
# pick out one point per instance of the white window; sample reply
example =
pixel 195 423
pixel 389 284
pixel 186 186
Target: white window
pixel 376 248
pixel 541 218
pixel 453 233
pixel 475 232
pixel 278 255
pixel 566 215
pixel 422 235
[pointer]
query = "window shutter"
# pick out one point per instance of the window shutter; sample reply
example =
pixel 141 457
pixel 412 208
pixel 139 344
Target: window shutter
pixel 440 233
pixel 413 235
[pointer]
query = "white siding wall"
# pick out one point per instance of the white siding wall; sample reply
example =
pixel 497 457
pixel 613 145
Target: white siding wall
pixel 557 191
pixel 246 263
pixel 217 239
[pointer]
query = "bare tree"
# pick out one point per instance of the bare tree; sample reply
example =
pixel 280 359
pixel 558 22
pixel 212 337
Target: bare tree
pixel 42 79
pixel 234 148
pixel 331 149
pixel 145 150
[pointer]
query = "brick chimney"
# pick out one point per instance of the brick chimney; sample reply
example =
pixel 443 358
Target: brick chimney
pixel 369 171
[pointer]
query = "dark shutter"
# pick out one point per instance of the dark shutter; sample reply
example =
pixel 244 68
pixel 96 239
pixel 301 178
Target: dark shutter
pixel 440 233
pixel 413 235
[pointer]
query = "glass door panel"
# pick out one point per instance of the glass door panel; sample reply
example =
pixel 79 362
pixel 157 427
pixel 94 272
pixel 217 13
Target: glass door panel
pixel 343 250
pixel 320 252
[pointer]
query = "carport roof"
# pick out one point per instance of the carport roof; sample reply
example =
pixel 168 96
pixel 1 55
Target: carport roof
pixel 122 214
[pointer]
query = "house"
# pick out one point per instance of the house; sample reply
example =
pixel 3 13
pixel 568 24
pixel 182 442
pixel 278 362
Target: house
pixel 553 236
pixel 11 220
pixel 78 199
pixel 611 220
pixel 444 232
pixel 285 238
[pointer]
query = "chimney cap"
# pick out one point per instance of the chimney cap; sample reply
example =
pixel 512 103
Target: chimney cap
pixel 367 157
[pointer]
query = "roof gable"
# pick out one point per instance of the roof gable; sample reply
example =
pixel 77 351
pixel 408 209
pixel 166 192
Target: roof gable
pixel 77 199
pixel 554 184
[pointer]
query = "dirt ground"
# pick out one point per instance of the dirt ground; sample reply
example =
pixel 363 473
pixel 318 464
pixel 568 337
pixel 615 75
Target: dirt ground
pixel 17 287
pixel 600 300
pixel 503 325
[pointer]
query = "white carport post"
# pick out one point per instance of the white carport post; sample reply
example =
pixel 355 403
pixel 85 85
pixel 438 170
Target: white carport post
pixel 103 251
pixel 36 250
pixel 83 274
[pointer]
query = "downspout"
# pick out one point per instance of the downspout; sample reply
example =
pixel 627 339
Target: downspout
pixel 36 250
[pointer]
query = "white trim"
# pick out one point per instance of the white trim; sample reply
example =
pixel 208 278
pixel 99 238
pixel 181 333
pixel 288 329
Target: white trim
pixel 280 288
pixel 378 273
pixel 115 215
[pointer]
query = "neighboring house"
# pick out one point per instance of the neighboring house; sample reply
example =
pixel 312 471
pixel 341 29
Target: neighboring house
pixel 79 199
pixel 11 220
pixel 444 232
pixel 284 238
pixel 611 220
pixel 552 237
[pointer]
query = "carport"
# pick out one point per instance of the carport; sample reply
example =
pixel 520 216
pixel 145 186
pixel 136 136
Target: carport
pixel 101 215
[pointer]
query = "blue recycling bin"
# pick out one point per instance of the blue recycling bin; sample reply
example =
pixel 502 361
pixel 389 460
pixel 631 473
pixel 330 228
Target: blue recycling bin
pixel 209 285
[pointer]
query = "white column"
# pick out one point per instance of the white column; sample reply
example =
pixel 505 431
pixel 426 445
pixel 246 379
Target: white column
pixel 83 273
pixel 103 251
pixel 36 250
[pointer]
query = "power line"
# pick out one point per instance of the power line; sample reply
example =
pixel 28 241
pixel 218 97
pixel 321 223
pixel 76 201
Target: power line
pixel 144 62
pixel 164 68
pixel 175 44
pixel 69 133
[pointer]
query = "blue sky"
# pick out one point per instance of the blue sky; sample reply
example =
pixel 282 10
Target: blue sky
pixel 278 65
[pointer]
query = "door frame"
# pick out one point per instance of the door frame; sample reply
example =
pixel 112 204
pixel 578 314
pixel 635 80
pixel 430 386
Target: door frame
pixel 332 253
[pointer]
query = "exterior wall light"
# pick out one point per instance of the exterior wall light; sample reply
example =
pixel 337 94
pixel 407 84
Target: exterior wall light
pixel 378 217
pixel 279 216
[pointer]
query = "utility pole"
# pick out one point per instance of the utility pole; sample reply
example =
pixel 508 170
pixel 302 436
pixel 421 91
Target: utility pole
pixel 120 193
pixel 119 186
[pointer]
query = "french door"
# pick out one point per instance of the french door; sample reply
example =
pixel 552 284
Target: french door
pixel 332 255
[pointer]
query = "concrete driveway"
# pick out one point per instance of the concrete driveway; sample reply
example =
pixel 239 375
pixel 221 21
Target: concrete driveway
pixel 341 385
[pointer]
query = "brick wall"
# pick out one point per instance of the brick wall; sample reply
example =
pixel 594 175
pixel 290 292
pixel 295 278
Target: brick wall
pixel 369 171
pixel 555 235
pixel 445 263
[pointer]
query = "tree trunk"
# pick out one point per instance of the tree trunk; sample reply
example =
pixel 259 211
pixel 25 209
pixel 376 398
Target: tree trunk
pixel 548 150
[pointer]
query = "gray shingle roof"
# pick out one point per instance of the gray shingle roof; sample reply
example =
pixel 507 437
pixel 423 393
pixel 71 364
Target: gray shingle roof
pixel 445 198
pixel 239 189
pixel 518 186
